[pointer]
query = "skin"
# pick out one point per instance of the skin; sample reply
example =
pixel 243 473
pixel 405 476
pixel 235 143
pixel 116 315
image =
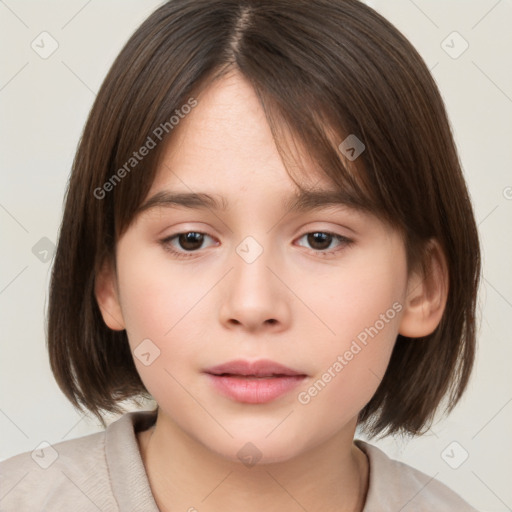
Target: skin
pixel 214 307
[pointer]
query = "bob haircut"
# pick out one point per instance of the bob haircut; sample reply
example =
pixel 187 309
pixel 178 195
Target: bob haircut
pixel 322 70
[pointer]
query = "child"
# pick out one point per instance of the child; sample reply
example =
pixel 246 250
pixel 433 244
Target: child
pixel 259 129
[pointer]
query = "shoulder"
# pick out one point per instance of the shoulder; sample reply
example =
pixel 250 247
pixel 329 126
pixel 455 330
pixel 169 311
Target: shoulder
pixel 101 471
pixel 398 486
pixel 69 475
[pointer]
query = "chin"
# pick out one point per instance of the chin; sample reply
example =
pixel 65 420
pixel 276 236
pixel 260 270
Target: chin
pixel 250 450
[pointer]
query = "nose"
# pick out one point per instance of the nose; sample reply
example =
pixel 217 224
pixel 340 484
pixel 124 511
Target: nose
pixel 253 297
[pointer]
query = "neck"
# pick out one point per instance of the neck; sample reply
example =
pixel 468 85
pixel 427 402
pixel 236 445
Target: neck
pixel 186 475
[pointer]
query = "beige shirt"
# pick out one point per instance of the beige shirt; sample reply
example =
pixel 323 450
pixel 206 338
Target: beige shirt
pixel 104 472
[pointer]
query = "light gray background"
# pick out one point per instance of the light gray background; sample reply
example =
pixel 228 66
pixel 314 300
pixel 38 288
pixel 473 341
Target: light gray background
pixel 44 104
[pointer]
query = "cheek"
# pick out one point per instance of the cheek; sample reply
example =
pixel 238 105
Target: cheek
pixel 366 292
pixel 361 310
pixel 165 314
pixel 350 368
pixel 156 298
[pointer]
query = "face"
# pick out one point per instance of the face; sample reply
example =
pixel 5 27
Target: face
pixel 317 291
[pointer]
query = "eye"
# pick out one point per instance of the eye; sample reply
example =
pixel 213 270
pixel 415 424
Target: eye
pixel 320 241
pixel 184 244
pixel 188 241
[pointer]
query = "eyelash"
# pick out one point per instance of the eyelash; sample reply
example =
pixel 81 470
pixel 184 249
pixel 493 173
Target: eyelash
pixel 166 243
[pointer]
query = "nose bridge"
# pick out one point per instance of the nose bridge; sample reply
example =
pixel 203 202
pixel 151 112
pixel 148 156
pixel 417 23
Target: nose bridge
pixel 251 262
pixel 254 295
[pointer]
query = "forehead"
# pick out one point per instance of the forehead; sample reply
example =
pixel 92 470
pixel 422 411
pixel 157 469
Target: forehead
pixel 224 152
pixel 226 142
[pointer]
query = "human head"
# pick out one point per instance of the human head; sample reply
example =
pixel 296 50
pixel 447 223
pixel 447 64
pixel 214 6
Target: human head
pixel 322 71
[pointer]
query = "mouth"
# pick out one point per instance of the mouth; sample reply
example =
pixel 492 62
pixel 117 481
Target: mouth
pixel 272 376
pixel 255 382
pixel 262 368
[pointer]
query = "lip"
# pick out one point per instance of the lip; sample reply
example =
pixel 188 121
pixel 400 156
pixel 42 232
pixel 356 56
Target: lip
pixel 259 368
pixel 253 382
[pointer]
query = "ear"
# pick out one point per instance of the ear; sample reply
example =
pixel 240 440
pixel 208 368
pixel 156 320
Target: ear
pixel 107 296
pixel 427 293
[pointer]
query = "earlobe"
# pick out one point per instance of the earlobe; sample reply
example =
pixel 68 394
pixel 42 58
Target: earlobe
pixel 427 293
pixel 107 296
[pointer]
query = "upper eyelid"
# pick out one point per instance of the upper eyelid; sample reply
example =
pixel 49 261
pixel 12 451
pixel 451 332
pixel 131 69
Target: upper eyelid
pixel 350 214
pixel 173 236
pixel 303 232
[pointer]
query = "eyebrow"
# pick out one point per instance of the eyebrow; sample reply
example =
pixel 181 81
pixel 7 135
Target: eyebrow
pixel 305 200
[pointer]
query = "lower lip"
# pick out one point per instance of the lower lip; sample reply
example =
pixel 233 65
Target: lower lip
pixel 253 390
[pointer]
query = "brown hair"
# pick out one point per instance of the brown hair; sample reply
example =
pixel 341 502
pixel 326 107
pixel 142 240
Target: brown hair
pixel 316 65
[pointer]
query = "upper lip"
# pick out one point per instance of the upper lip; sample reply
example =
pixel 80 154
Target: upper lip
pixel 260 368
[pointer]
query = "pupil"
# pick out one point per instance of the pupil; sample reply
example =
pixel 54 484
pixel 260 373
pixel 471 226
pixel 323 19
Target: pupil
pixel 318 238
pixel 191 240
